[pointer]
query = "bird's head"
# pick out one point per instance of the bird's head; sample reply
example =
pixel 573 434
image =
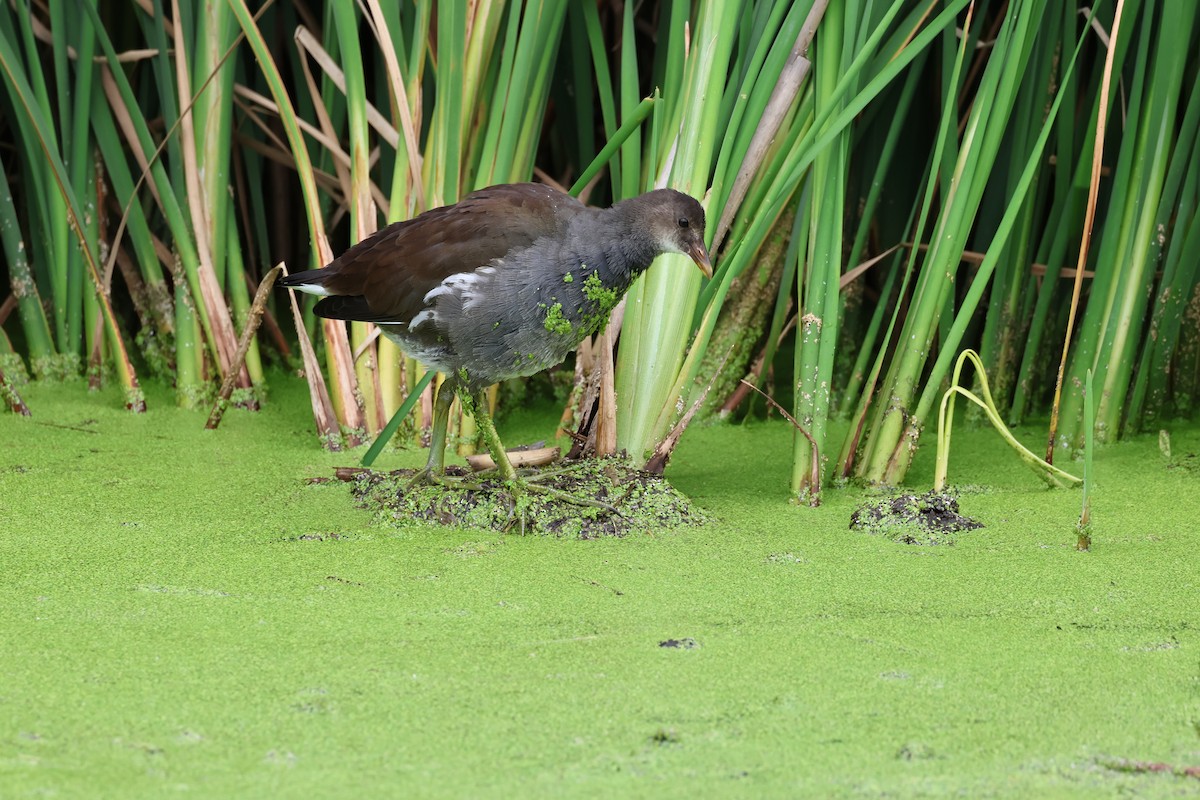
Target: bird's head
pixel 676 221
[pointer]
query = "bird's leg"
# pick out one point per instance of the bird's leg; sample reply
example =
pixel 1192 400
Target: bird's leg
pixel 483 419
pixel 437 442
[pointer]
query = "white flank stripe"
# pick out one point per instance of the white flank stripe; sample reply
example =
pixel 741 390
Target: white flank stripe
pixel 461 281
pixel 311 288
pixel 428 315
pixel 463 284
pixel 436 291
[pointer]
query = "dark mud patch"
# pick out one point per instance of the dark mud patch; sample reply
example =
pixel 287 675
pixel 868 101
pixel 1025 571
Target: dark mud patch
pixel 686 643
pixel 930 518
pixel 642 501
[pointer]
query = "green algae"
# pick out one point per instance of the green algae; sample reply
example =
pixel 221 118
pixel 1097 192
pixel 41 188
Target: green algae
pixel 186 614
pixel 595 290
pixel 555 322
pixel 603 299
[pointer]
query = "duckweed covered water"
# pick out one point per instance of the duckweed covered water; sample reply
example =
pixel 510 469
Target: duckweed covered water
pixel 186 615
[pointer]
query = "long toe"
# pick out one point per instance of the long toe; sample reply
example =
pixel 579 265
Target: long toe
pixel 425 477
pixel 565 497
pixel 431 477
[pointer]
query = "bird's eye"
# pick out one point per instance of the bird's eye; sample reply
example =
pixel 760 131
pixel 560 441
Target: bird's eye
pixel 683 222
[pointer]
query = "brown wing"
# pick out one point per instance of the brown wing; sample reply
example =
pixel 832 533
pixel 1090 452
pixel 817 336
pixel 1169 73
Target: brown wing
pixel 386 276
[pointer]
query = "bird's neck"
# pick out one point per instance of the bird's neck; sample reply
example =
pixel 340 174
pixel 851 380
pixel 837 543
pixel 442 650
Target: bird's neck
pixel 631 249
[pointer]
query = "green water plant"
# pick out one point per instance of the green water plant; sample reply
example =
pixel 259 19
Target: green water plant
pixel 1141 218
pixel 1053 475
pixel 1083 528
pixel 774 132
pixel 397 418
pixel 65 210
pixel 961 167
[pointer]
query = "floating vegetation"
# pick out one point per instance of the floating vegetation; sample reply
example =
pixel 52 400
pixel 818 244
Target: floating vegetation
pixel 638 501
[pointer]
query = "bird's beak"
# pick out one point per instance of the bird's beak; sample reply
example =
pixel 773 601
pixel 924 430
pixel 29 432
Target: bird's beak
pixel 699 254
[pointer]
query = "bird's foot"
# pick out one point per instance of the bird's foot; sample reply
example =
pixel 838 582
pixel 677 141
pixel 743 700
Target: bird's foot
pixel 435 477
pixel 521 515
pixel 529 485
pixel 530 481
pixel 537 476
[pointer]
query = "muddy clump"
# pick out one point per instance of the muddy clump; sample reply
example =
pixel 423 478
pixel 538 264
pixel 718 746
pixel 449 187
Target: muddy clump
pixel 930 518
pixel 639 500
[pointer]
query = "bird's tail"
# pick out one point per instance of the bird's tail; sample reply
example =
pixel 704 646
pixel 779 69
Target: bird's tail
pixel 311 281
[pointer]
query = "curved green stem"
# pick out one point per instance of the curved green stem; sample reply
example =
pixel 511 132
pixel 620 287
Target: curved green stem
pixel 1048 472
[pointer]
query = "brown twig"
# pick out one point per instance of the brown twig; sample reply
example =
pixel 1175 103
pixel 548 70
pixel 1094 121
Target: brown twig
pixel 252 320
pixel 815 493
pixel 271 326
pixel 9 392
pixel 759 369
pixel 7 307
pixel 606 411
pixel 596 433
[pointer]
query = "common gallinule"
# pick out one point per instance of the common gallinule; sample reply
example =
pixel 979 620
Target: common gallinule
pixel 502 284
